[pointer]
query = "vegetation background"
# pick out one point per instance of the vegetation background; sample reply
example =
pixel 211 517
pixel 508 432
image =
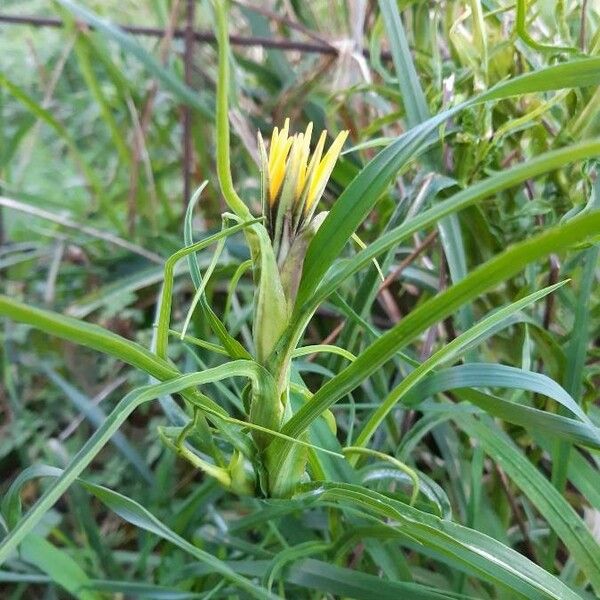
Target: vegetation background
pixel 105 135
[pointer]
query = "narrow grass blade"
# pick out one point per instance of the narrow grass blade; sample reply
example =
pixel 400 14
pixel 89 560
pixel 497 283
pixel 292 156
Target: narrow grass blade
pixel 97 416
pixel 164 310
pixel 451 350
pixel 496 376
pixel 103 434
pixel 129 45
pixel 556 510
pixel 475 193
pixel 362 194
pixel 574 371
pixel 496 270
pixel 137 515
pixel 474 551
pixel 59 566
pixel 234 348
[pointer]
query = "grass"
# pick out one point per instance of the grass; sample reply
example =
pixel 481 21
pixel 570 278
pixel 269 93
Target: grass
pixel 201 403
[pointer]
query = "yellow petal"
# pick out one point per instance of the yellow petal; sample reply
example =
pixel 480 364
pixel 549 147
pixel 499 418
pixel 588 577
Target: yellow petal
pixel 316 157
pixel 302 168
pixel 324 168
pixel 278 141
pixel 277 172
pixel 273 146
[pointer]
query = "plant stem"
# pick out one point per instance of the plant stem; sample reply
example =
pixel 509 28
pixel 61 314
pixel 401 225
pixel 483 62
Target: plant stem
pixel 223 160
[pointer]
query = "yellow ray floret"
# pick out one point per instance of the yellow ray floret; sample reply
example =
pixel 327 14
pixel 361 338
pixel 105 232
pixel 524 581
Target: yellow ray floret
pixel 303 154
pixel 288 160
pixel 278 153
pixel 323 170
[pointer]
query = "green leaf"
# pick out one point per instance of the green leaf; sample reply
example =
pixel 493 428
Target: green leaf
pixel 62 569
pixel 137 515
pixel 335 580
pixel 451 350
pixel 103 434
pixel 11 502
pixel 496 270
pixel 97 416
pixel 556 510
pixel 234 348
pixel 467 197
pixel 170 81
pixel 166 297
pixel 574 371
pixel 331 579
pixel 361 195
pixel 474 552
pixel 413 97
pixel 59 566
pixel 493 375
pixel 532 419
pixel 91 336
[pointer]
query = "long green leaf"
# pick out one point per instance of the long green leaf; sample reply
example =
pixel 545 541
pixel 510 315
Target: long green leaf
pixel 360 196
pixel 91 336
pixel 496 270
pixel 539 165
pixel 137 515
pixel 103 434
pixel 415 104
pixel 67 573
pixel 532 419
pixel 576 355
pixel 556 510
pixel 474 551
pixel 493 375
pixel 129 45
pixel 334 580
pixel 166 297
pixel 61 567
pixel 233 347
pixel 417 111
pixel 447 352
pixel 96 416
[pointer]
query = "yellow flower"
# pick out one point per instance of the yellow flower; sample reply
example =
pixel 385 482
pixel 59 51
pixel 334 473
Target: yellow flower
pixel 290 171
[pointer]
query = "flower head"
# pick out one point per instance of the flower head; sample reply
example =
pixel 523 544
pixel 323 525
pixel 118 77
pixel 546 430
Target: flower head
pixel 293 180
